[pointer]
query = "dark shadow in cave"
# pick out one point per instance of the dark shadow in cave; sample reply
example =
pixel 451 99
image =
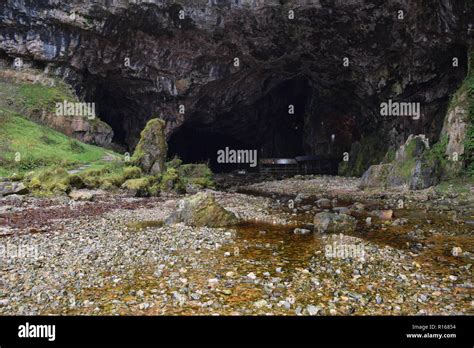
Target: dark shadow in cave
pixel 198 146
pixel 266 126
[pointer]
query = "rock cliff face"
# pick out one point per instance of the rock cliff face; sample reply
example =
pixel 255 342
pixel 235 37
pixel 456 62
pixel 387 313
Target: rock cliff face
pixel 230 73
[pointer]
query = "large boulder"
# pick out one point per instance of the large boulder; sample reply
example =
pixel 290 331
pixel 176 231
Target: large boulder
pixel 375 176
pixel 150 153
pixel 415 167
pixel 202 210
pixel 326 222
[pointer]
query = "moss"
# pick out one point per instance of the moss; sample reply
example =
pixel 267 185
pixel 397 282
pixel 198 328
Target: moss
pixel 109 176
pixel 176 162
pixel 469 140
pixel 366 152
pixel 107 185
pixel 131 173
pixel 436 157
pixel 404 169
pixel 142 186
pixel 49 181
pixel 169 179
pixel 16 177
pixel 389 156
pixel 155 190
pixel 152 135
pixel 196 174
pixel 410 149
pixel 464 97
pixel 460 185
pixel 136 184
pixel 178 176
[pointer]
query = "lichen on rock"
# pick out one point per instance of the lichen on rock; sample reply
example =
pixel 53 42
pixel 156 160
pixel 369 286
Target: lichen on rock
pixel 150 153
pixel 202 210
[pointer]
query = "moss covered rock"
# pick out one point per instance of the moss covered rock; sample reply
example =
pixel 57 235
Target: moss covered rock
pixel 51 181
pixel 150 153
pixel 202 210
pixel 132 173
pixel 140 187
pixel 415 167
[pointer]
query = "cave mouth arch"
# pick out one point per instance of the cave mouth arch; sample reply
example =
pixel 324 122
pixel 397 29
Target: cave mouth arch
pixel 272 127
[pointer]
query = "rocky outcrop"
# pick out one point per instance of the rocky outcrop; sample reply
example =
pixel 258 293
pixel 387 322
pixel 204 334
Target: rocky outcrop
pixel 415 167
pixel 8 188
pixel 455 128
pixel 88 129
pixel 150 153
pixel 202 210
pixel 226 72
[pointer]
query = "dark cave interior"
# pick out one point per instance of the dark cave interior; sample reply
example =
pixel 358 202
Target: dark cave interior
pixel 273 126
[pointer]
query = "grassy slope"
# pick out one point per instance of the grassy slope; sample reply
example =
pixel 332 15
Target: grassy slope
pixel 38 146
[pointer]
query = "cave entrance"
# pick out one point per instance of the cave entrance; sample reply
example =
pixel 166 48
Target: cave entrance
pixel 202 146
pixel 272 126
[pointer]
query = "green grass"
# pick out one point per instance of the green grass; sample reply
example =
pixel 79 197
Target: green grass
pixel 29 99
pixel 39 146
pixel 25 145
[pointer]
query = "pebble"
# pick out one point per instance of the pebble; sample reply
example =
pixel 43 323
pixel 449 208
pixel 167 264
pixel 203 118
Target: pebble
pixel 301 231
pixel 252 276
pixel 260 303
pixel 313 310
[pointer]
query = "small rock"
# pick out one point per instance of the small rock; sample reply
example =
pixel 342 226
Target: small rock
pixel 252 276
pixel 382 214
pixel 324 203
pixel 213 281
pixel 301 231
pixel 342 210
pixel 260 303
pixel 312 310
pixel 81 195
